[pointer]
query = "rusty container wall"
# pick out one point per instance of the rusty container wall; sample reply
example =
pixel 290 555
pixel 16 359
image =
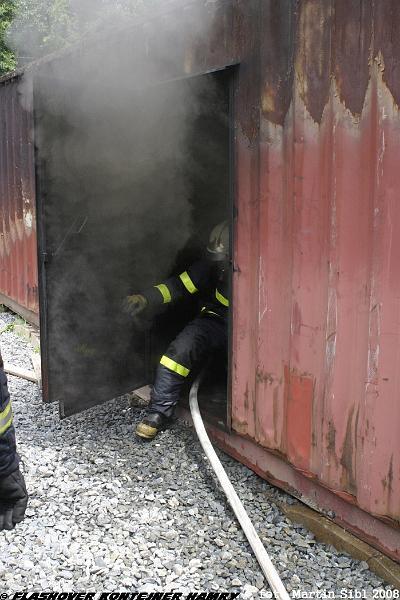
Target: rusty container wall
pixel 316 286
pixel 18 246
pixel 317 274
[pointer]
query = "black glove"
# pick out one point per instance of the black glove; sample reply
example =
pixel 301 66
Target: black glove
pixel 13 499
pixel 134 305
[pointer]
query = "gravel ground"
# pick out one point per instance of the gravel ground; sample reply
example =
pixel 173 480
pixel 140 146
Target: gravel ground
pixel 108 513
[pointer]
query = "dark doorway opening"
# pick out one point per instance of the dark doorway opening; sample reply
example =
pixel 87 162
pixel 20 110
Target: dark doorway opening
pixel 207 168
pixel 130 182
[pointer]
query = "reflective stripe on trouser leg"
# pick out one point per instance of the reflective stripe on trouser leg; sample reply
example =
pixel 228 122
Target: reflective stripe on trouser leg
pixel 172 365
pixel 189 349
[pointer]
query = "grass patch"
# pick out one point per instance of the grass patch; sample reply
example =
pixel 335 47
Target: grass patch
pixel 7 328
pixel 18 321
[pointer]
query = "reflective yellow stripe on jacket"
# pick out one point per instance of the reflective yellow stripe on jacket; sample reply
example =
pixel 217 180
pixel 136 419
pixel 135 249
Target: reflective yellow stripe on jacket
pixel 174 366
pixel 206 311
pixel 188 283
pixel 221 298
pixel 6 417
pixel 166 294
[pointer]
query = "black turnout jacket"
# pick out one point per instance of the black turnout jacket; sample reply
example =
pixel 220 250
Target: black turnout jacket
pixel 204 280
pixel 9 459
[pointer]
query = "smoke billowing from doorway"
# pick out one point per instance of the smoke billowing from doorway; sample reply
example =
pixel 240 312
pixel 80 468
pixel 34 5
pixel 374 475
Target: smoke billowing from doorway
pixel 115 117
pixel 127 152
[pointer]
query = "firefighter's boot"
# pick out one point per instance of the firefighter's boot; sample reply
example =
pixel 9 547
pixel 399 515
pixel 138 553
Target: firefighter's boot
pixel 148 428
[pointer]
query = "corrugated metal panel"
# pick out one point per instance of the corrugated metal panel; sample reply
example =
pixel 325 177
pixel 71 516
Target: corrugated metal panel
pixel 317 307
pixel 18 253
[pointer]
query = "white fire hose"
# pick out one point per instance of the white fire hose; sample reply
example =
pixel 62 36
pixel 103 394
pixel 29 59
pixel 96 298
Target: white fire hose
pixel 256 544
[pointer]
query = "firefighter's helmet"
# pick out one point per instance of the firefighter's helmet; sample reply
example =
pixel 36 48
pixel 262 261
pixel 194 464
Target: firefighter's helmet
pixel 218 244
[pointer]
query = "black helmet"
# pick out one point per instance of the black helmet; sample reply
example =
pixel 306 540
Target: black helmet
pixel 218 245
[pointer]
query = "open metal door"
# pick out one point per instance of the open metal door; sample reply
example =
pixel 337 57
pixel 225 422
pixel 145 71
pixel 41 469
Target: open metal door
pixel 121 195
pixel 90 351
pixel 112 216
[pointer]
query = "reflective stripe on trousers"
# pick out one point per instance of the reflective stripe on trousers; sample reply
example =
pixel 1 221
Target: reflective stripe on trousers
pixel 174 366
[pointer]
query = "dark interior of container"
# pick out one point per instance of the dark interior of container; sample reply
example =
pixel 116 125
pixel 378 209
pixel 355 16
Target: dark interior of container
pixel 208 175
pixel 122 206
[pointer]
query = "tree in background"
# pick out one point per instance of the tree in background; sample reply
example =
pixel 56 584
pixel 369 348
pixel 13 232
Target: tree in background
pixel 7 59
pixel 39 27
pixel 30 29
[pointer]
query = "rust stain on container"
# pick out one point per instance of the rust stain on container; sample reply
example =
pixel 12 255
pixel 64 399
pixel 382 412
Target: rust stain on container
pixel 299 402
pixel 331 437
pixel 278 22
pixel 313 58
pixel 348 456
pixel 352 33
pixel 387 43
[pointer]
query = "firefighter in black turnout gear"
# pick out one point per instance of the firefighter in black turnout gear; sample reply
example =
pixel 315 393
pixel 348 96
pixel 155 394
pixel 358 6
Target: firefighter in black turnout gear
pixel 207 333
pixel 13 494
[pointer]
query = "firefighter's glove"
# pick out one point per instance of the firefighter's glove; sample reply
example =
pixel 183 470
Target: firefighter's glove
pixel 13 500
pixel 134 305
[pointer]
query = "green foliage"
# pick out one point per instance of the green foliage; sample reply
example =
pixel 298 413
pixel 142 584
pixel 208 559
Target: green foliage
pixel 40 27
pixel 7 59
pixel 8 328
pixel 34 28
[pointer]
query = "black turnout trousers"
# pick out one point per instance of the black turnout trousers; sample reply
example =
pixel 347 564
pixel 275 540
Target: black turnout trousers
pixel 200 338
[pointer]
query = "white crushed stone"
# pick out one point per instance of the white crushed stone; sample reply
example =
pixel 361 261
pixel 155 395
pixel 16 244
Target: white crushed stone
pixel 109 513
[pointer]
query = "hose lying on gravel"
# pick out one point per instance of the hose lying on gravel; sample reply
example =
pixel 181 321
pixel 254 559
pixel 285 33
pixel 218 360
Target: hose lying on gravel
pixel 256 544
